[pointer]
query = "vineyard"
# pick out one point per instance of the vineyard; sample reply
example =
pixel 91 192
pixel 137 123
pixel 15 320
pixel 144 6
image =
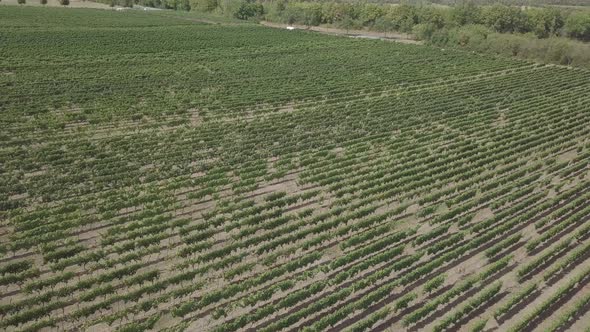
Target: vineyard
pixel 163 174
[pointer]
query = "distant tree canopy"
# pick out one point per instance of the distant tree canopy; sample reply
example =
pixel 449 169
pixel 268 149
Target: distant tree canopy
pixel 204 5
pixel 543 22
pixel 248 9
pixel 578 26
pixel 409 16
pixel 504 18
pixel 465 13
pixel 491 2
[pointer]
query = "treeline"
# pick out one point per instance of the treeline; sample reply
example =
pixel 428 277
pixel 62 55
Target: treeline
pixel 162 4
pixel 211 4
pixel 532 3
pixel 542 22
pixel 241 9
pixel 407 17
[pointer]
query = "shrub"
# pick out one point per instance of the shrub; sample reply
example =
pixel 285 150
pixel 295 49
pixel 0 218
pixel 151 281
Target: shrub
pixel 577 25
pixel 247 10
pixel 424 31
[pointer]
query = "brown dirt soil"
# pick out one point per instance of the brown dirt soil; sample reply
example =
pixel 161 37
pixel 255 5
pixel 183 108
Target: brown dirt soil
pixel 568 156
pixel 581 323
pixel 413 208
pixel 483 214
pixel 100 327
pixel 546 293
pixel 195 118
pixel 501 121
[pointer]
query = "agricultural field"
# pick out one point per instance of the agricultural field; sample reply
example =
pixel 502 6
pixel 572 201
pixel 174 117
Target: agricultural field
pixel 159 173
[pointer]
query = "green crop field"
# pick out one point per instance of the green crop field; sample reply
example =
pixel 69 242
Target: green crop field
pixel 162 173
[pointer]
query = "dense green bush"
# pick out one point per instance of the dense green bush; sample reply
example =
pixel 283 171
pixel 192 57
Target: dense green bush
pixel 577 25
pixel 248 9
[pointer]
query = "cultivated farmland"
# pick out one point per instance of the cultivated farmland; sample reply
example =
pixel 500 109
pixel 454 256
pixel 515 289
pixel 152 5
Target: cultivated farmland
pixel 158 173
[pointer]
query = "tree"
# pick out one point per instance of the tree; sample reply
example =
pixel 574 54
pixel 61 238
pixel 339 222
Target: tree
pixel 185 5
pixel 404 17
pixel 64 2
pixel 545 22
pixel 577 25
pixel 424 31
pixel 432 16
pixel 43 2
pixel 309 14
pixel 370 13
pixel 472 35
pixel 507 44
pixel 332 13
pixel 274 11
pixel 204 5
pixel 21 2
pixel 384 25
pixel 505 19
pixel 559 51
pixel 168 4
pixel 247 10
pixel 292 14
pixel 346 23
pixel 465 13
pixel 312 14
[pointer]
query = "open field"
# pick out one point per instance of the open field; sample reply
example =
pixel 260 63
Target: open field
pixel 163 174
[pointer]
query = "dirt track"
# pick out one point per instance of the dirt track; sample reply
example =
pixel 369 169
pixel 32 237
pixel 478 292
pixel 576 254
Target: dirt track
pixel 391 36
